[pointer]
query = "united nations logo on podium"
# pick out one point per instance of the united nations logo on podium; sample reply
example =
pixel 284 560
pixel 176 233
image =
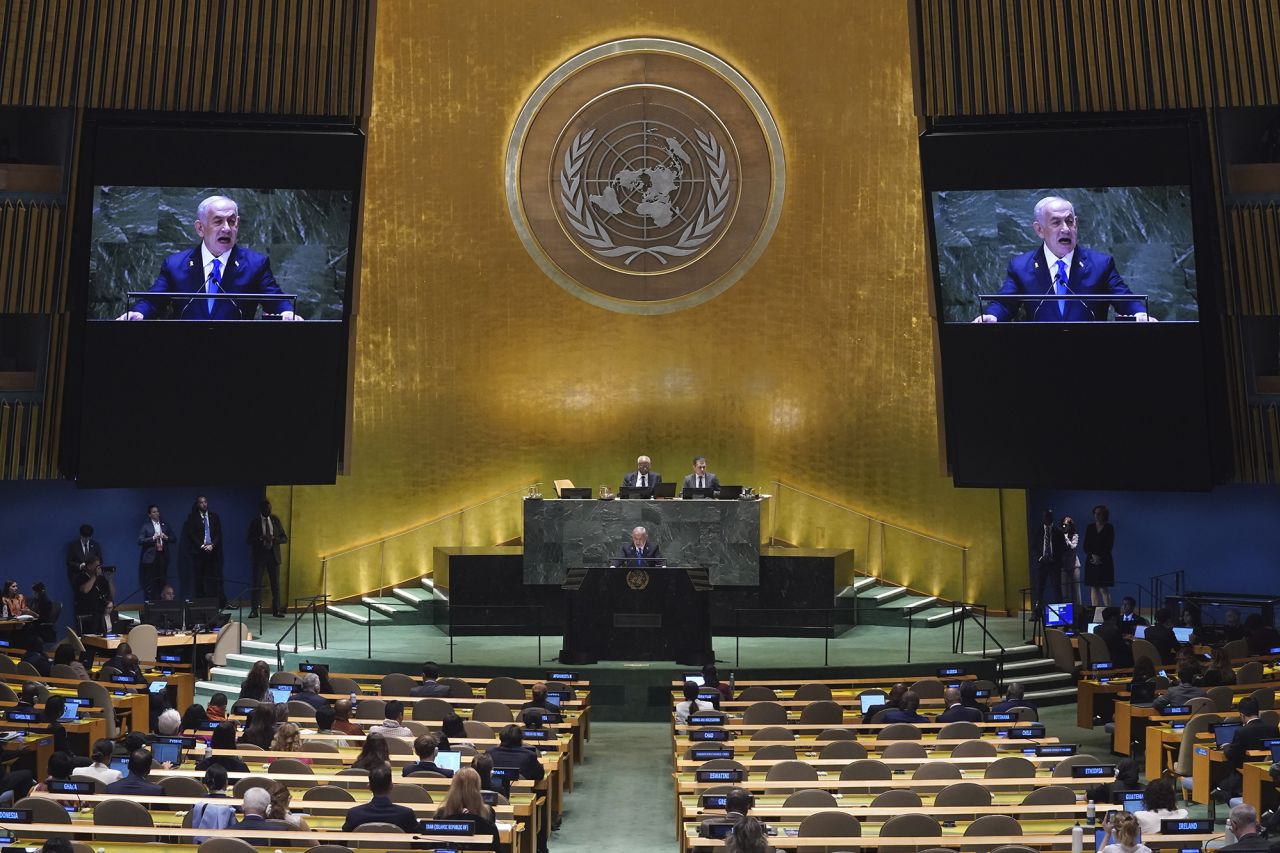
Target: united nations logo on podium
pixel 645 175
pixel 638 579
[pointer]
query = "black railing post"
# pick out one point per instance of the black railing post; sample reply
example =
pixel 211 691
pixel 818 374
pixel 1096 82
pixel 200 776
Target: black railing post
pixel 737 638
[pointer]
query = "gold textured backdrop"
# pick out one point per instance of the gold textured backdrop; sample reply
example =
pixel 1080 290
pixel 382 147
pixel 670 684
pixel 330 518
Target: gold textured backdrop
pixel 475 373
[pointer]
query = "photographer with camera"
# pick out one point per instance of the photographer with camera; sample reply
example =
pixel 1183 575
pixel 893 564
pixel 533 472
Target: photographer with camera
pixel 95 591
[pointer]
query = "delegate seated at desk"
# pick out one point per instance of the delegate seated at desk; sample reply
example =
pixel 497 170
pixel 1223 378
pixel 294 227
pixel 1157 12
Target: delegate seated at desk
pixel 640 553
pixel 700 478
pixel 1058 268
pixel 643 477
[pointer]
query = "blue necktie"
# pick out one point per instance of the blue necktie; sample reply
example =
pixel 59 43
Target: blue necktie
pixel 1060 286
pixel 207 539
pixel 214 280
pixel 639 554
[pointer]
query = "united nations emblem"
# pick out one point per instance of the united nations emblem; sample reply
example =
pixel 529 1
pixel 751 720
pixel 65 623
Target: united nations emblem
pixel 645 175
pixel 637 579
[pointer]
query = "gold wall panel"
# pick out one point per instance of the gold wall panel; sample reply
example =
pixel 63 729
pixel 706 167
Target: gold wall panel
pixel 475 373
pixel 992 57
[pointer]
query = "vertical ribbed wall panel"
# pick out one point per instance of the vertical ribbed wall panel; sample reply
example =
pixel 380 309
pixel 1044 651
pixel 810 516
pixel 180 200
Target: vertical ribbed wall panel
pixel 30 240
pixel 278 57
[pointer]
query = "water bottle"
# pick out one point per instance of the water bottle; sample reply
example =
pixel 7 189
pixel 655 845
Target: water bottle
pixel 208 749
pixel 353 704
pixel 1077 838
pixel 732 691
pixel 1090 813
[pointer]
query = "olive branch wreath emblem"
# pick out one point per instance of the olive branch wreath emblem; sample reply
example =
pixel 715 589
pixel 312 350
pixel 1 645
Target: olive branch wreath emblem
pixel 577 207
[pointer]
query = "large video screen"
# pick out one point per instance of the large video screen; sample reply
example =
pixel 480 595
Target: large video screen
pixel 281 253
pixel 1056 253
pixel 1072 261
pixel 213 270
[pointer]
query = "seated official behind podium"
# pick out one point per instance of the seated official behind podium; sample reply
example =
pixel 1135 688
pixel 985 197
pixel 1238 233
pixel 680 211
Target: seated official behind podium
pixel 700 479
pixel 643 477
pixel 640 553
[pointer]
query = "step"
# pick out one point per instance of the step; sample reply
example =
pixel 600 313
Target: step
pixel 388 605
pixel 1043 697
pixel 1032 665
pixel 936 617
pixel 359 614
pixel 1010 653
pixel 416 596
pixel 864 582
pixel 1043 679
pixel 910 603
pixel 881 594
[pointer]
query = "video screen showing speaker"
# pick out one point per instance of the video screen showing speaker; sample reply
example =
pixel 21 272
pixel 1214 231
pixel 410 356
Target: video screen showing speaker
pixel 212 278
pixel 1072 263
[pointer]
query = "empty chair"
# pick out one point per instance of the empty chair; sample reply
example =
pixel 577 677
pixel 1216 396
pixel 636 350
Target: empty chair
pixel 244 707
pixel 865 769
pixel 8 667
pixel 725 764
pixel 897 798
pixel 344 685
pixel 765 714
pixel 44 810
pixel 1250 673
pixel 375 826
pixel 226 845
pixel 503 687
pixel 1050 795
pixel 283 678
pixel 775 752
pixel 371 709
pixel 1013 848
pixel 1237 650
pixel 1098 651
pixel 974 749
pixel 322 746
pixel 830 825
pixel 812 692
pixel 405 793
pixel 328 793
pixel 1223 698
pixel 144 640
pixel 1200 705
pixel 1025 714
pixel 1062 770
pixel 911 825
pixel 458 689
pixel 774 733
pixel 757 693
pixel 299 710
pixel 822 712
pixel 1010 767
pixel 399 746
pixel 183 786
pixel 291 766
pixel 810 798
pixel 477 730
pixel 993 826
pixel 253 782
pixel 230 636
pixel 1146 649
pixel 904 749
pixel 899 731
pixel 62 670
pixel 6 692
pixel 1264 696
pixel 937 770
pixel 837 734
pixel 418 728
pixel 492 712
pixel 961 730
pixel 928 688
pixel 122 812
pixel 963 794
pixel 847 749
pixel 396 684
pixel 791 771
pixel 100 699
pixel 431 710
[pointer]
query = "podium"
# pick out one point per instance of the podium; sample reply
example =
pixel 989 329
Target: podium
pixel 626 612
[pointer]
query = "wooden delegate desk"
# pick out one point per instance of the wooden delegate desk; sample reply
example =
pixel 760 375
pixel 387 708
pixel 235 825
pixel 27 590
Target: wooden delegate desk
pixel 111 642
pixel 1259 788
pixel 128 836
pixel 1058 841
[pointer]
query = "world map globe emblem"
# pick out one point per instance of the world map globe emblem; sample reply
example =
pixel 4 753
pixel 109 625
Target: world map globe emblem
pixel 644 175
pixel 651 189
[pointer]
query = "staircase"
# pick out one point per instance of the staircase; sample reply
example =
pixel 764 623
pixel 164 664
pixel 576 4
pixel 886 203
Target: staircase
pixel 1045 685
pixel 414 603
pixel 879 602
pixel 226 679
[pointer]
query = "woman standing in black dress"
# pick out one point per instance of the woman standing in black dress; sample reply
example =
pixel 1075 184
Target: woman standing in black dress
pixel 1100 568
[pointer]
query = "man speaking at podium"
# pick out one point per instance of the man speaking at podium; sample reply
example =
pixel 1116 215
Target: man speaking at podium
pixel 216 265
pixel 641 553
pixel 1058 268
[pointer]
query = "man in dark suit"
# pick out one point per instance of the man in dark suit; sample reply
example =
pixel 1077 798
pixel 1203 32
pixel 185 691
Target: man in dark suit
pixel 1130 619
pixel 640 553
pixel 430 686
pixel 1058 268
pixel 908 710
pixel 425 748
pixel 202 536
pixel 1248 737
pixel 153 563
pixel 1014 697
pixel 511 752
pixel 1050 546
pixel 700 478
pixel 215 266
pixel 380 809
pixel 254 807
pixel 266 535
pixel 643 477
pixel 1109 631
pixel 1161 636
pixel 136 782
pixel 956 711
pixel 81 549
pixel 309 692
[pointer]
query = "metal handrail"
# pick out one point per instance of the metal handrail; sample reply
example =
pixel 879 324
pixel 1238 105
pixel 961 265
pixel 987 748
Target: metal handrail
pixel 957 634
pixel 827 630
pixel 537 623
pixel 297 618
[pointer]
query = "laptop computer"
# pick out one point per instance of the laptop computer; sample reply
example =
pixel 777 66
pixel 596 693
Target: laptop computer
pixel 1183 635
pixel 121 764
pixel 1224 733
pixel 870 700
pixel 1140 632
pixel 449 760
pixel 70 711
pixel 628 492
pixel 281 694
pixel 578 493
pixel 1142 694
pixel 157 686
pixel 162 752
pixel 665 490
pixel 689 493
pixel 1100 834
pixel 729 493
pixel 1059 614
